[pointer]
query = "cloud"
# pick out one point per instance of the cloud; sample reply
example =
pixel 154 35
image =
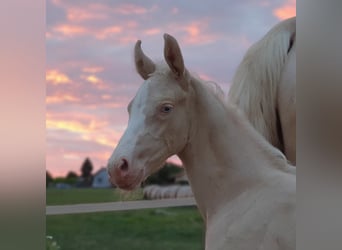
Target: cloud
pixel 73 122
pixel 193 32
pixel 95 12
pixel 130 9
pixel 153 31
pixel 88 128
pixel 70 30
pixel 197 33
pixel 286 11
pixel 102 139
pixel 71 137
pixel 93 79
pixel 80 122
pixel 107 32
pixel 56 78
pixel 92 70
pixel 61 99
pixel 71 126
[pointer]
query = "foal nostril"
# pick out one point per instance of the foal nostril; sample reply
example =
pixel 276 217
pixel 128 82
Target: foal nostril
pixel 124 165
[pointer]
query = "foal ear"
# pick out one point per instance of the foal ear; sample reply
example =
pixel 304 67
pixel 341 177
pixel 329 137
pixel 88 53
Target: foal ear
pixel 173 55
pixel 143 64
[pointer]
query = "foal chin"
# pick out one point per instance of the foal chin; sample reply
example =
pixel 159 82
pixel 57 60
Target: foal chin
pixel 131 163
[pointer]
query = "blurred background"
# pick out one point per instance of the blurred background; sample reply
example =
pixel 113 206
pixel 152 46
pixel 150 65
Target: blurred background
pixel 90 72
pixel 90 79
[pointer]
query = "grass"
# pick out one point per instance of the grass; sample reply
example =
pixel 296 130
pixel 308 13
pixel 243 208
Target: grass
pixel 91 195
pixel 178 228
pixel 150 229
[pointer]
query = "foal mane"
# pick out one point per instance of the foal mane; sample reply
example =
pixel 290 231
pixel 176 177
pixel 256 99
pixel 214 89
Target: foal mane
pixel 254 87
pixel 273 153
pixel 212 87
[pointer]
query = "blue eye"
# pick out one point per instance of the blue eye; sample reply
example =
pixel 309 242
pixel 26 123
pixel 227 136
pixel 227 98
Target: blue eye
pixel 166 108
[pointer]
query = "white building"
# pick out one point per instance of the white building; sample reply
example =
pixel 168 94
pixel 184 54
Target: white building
pixel 101 179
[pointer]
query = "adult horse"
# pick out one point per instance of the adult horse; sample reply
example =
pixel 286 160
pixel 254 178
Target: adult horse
pixel 264 87
pixel 243 186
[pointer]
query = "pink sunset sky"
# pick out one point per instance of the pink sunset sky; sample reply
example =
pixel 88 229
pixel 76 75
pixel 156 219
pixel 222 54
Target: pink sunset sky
pixel 90 74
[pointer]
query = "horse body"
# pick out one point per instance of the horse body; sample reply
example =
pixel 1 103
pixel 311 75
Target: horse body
pixel 243 186
pixel 260 218
pixel 263 87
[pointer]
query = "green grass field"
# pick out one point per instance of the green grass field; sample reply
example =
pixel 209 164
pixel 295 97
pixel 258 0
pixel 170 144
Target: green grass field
pixel 148 229
pixel 89 195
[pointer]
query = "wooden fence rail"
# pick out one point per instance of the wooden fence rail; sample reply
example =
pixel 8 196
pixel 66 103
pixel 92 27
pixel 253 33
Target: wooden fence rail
pixel 118 206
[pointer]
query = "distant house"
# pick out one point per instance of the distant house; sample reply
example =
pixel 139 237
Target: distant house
pixel 84 182
pixel 101 179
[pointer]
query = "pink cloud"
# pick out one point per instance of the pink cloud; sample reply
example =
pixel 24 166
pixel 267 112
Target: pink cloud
pixel 61 99
pixel 153 31
pixel 70 30
pixel 195 32
pixel 121 33
pixel 84 20
pixel 92 79
pixel 93 135
pixel 76 123
pixel 95 80
pixel 127 39
pixel 285 11
pixel 130 9
pixel 108 31
pixel 92 70
pixel 83 14
pixel 103 138
pixel 56 78
pixel 106 97
pixel 131 24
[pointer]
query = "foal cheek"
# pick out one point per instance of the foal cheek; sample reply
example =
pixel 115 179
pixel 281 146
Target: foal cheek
pixel 175 141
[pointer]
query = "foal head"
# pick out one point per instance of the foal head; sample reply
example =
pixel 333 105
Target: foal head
pixel 158 124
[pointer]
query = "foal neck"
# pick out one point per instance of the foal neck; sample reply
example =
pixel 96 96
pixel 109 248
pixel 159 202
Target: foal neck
pixel 225 156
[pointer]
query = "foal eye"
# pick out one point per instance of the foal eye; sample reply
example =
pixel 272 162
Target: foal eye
pixel 166 108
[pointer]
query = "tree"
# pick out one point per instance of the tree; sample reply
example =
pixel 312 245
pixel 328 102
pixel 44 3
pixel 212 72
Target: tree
pixel 86 176
pixel 86 168
pixel 71 175
pixel 49 178
pixel 71 178
pixel 165 176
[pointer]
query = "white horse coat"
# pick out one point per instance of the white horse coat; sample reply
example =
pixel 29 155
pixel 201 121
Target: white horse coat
pixel 243 186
